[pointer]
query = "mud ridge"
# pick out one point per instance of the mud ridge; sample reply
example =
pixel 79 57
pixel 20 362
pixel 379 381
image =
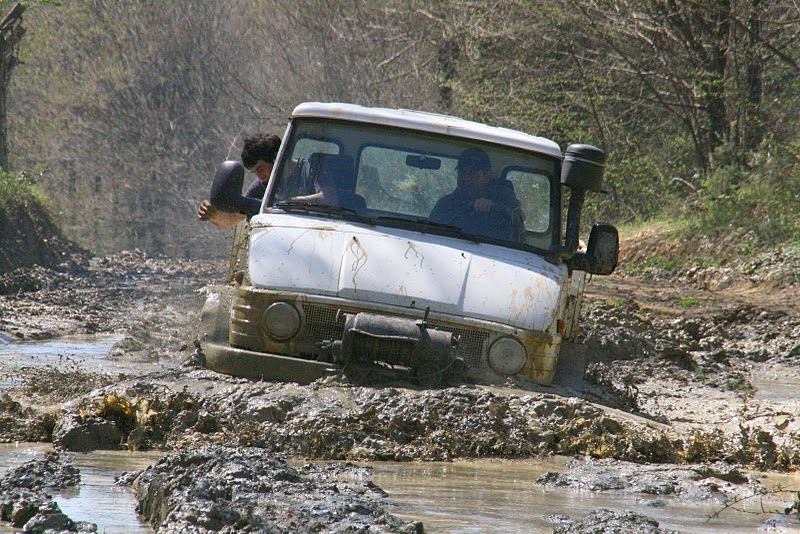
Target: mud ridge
pixel 227 489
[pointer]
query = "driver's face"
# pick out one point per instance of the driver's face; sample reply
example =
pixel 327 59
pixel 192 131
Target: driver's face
pixel 473 181
pixel 262 170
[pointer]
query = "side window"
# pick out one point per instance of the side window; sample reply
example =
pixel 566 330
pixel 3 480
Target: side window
pixel 306 146
pixel 387 182
pixel 294 181
pixel 533 192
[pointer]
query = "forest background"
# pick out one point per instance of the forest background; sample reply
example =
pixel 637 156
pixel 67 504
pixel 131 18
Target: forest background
pixel 119 112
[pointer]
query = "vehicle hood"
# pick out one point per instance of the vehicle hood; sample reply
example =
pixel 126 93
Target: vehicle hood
pixel 401 267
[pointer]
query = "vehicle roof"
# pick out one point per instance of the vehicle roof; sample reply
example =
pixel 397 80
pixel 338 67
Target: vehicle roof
pixel 428 122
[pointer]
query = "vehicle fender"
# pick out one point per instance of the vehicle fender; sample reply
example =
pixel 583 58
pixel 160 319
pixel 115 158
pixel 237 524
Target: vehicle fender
pixel 572 307
pixel 215 315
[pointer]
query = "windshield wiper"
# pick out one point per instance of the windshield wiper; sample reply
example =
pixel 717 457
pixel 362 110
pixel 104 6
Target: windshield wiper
pixel 425 224
pixel 326 209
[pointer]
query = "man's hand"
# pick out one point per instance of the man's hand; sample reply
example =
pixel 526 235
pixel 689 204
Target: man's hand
pixel 220 219
pixel 205 211
pixel 483 205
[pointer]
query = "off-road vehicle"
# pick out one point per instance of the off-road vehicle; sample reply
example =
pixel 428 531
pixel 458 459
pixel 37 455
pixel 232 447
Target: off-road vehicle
pixel 361 257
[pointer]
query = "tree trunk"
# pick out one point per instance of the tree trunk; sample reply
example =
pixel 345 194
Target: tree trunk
pixel 715 86
pixel 11 32
pixel 754 119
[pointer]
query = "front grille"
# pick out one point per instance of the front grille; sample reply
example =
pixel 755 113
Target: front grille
pixel 320 325
pixel 470 344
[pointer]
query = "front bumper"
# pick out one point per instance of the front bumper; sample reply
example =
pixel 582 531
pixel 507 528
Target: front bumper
pixel 223 358
pixel 320 322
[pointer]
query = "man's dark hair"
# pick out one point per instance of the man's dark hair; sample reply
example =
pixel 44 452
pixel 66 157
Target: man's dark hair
pixel 473 159
pixel 260 147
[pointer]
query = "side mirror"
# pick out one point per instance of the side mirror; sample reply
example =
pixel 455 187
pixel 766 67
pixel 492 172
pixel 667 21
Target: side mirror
pixel 602 252
pixel 583 168
pixel 226 190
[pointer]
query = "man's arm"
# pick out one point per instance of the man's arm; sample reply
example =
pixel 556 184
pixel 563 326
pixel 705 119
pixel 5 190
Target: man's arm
pixel 220 219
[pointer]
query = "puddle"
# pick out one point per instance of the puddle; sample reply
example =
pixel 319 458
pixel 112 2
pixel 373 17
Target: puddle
pixel 85 353
pixel 460 497
pixel 96 499
pixel 502 497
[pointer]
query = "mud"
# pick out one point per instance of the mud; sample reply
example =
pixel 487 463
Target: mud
pixel 328 420
pixel 713 482
pixel 18 423
pixel 610 521
pixel 25 504
pixel 227 489
pixel 128 292
pixel 693 384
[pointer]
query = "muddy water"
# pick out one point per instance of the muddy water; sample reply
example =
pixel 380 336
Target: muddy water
pixel 501 496
pixel 463 497
pixel 86 353
pixel 96 499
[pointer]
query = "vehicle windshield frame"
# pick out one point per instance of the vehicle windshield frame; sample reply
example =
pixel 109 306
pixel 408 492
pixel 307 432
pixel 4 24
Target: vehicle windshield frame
pixel 293 135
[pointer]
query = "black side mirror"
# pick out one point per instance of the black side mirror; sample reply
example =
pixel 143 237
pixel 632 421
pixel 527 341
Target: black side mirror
pixel 601 254
pixel 226 190
pixel 583 168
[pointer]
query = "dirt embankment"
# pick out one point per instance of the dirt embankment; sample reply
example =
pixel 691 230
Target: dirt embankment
pixel 679 375
pixel 29 237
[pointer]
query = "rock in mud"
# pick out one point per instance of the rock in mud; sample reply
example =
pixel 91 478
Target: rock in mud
pixel 24 502
pixel 719 482
pixel 52 471
pixel 225 489
pixel 23 424
pixel 612 522
pixel 77 433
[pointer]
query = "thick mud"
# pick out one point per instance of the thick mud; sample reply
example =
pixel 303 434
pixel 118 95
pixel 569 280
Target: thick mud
pixel 693 385
pixel 704 482
pixel 248 489
pixel 611 521
pixel 25 504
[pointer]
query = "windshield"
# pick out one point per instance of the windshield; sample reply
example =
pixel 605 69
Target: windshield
pixel 393 176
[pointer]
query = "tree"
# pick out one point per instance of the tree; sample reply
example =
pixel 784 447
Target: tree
pixel 127 108
pixel 702 62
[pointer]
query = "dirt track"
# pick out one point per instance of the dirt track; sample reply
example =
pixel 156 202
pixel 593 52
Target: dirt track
pixel 678 372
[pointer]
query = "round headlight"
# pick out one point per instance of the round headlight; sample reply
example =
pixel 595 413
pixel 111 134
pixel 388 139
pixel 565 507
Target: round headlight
pixel 507 356
pixel 281 321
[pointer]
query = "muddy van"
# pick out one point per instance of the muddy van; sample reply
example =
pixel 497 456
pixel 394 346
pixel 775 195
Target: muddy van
pixel 402 242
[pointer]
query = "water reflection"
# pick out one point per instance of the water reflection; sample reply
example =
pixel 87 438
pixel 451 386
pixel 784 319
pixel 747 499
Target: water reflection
pixel 96 499
pixel 502 497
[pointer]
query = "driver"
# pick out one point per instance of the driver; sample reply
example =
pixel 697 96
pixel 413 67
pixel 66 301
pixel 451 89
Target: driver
pixel 480 205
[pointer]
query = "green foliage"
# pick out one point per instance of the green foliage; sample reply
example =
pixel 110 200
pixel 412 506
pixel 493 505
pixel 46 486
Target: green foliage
pixel 760 203
pixel 56 3
pixel 687 302
pixel 740 385
pixel 18 189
